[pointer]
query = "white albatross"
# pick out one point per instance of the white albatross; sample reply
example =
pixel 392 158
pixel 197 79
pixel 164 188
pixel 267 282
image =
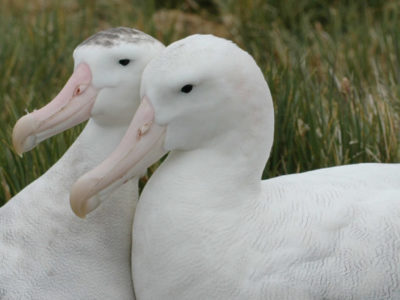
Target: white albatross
pixel 46 252
pixel 207 227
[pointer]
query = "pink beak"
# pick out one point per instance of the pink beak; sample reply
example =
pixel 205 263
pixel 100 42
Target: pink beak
pixel 141 146
pixel 69 108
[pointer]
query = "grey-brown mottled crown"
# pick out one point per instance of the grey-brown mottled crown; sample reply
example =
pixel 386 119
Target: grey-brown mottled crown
pixel 117 35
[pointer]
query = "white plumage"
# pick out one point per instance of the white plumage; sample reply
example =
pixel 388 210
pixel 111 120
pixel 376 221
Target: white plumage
pixel 45 251
pixel 207 227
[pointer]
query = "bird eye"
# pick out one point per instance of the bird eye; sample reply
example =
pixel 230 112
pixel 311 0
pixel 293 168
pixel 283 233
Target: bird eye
pixel 187 88
pixel 124 62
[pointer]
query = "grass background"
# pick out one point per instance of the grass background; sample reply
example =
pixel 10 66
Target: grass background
pixel 333 68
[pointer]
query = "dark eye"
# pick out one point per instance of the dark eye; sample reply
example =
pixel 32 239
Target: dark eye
pixel 187 88
pixel 124 62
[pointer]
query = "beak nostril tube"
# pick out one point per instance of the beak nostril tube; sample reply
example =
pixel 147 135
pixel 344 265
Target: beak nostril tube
pixel 145 128
pixel 79 90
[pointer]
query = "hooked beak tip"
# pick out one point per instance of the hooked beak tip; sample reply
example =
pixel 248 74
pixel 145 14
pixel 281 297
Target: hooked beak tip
pixel 22 136
pixel 77 201
pixel 82 216
pixel 81 202
pixel 79 210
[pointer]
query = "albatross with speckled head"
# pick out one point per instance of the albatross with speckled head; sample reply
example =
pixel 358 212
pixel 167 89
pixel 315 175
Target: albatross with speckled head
pixel 207 227
pixel 46 252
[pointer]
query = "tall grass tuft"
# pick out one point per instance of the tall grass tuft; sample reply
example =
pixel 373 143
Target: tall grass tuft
pixel 333 70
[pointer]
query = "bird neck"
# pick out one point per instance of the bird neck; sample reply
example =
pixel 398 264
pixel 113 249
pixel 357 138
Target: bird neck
pixel 40 216
pixel 90 148
pixel 207 178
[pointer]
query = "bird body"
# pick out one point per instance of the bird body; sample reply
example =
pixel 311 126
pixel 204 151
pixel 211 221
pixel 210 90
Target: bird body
pixel 46 252
pixel 324 234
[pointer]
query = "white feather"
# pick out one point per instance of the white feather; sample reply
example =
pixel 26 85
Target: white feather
pixel 207 227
